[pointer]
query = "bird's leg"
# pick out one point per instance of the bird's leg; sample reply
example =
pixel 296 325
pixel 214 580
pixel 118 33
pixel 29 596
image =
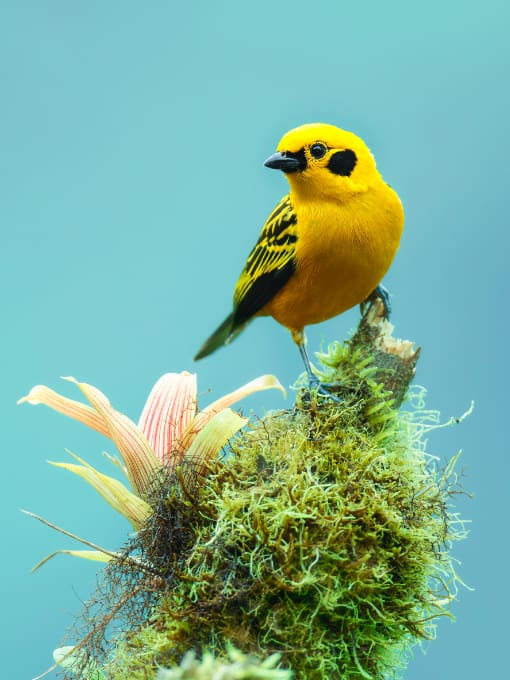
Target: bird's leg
pixel 382 293
pixel 300 340
pixel 313 381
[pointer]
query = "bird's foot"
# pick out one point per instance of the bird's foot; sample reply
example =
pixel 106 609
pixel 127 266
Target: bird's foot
pixel 321 389
pixel 380 293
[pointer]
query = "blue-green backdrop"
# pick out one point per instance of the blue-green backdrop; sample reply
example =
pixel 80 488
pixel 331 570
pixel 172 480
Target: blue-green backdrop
pixel 132 188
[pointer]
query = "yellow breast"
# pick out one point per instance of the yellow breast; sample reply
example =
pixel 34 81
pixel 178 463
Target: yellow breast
pixel 342 252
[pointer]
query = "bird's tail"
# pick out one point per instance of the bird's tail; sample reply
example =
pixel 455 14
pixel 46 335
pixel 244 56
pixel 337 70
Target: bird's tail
pixel 224 334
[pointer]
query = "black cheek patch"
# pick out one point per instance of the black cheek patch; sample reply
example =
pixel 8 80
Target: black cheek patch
pixel 342 162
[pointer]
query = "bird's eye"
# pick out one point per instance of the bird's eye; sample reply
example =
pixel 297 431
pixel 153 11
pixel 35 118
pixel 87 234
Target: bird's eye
pixel 318 150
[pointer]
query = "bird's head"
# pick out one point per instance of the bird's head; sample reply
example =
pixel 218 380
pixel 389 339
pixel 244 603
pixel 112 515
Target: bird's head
pixel 322 161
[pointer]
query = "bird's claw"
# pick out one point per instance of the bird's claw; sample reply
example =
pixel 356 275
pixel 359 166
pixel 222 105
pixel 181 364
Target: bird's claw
pixel 321 389
pixel 380 293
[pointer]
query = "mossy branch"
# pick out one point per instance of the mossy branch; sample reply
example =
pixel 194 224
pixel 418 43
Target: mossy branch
pixel 394 359
pixel 323 536
pixel 390 362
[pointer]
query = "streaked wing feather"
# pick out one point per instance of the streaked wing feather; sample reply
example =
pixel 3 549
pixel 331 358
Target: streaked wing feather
pixel 270 264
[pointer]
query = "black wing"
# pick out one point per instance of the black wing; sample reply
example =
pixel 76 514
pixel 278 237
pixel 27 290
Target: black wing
pixel 270 264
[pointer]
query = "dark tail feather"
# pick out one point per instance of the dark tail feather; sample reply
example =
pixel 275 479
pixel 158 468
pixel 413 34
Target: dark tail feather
pixel 221 336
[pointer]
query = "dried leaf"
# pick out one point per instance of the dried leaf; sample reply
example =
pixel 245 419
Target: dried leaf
pixel 118 496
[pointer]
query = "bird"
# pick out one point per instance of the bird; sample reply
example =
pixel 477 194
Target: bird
pixel 326 245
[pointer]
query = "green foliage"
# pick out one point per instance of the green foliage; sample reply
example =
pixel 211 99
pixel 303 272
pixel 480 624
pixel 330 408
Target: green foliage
pixel 324 536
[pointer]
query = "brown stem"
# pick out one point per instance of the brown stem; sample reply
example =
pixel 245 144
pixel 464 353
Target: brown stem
pixel 395 359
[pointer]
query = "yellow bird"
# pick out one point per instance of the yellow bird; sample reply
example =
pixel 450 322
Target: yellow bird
pixel 327 244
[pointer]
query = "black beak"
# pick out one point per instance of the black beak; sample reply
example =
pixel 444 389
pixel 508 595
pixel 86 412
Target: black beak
pixel 283 160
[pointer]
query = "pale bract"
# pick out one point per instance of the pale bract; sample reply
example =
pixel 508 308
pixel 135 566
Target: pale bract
pixel 170 431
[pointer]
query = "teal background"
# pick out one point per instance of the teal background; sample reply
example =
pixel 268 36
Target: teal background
pixel 131 190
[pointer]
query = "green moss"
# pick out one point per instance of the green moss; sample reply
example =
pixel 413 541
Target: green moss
pixel 323 536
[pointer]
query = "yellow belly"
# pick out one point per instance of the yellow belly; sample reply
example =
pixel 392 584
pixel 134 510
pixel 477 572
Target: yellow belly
pixel 342 254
